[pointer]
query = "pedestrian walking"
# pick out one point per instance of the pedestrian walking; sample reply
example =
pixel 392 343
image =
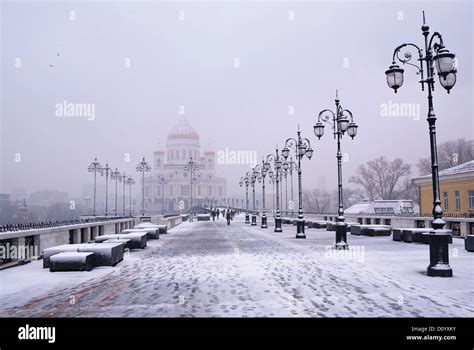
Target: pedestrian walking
pixel 228 217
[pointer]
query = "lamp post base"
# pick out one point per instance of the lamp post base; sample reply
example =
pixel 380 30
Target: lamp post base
pixel 300 229
pixel 278 224
pixel 254 220
pixel 439 254
pixel 264 222
pixel 247 218
pixel 341 236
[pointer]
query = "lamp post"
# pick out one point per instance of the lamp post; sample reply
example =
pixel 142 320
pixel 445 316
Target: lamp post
pixel 446 70
pixel 253 178
pixel 162 181
pixel 95 168
pixel 106 171
pixel 261 172
pixel 340 121
pixel 124 180
pixel 292 167
pixel 130 182
pixel 271 176
pixel 143 167
pixel 277 164
pixel 191 168
pixel 302 147
pixel 245 180
pixel 115 175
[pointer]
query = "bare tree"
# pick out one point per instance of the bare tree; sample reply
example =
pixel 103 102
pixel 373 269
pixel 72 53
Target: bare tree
pixel 380 178
pixel 317 201
pixel 450 153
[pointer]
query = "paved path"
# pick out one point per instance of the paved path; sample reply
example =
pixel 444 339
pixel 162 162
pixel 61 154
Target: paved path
pixel 211 269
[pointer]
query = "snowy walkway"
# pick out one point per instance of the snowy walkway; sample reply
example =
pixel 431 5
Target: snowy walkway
pixel 211 269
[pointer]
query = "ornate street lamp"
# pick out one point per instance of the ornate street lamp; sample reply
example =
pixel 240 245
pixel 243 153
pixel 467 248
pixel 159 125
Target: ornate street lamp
pixel 245 180
pixel 106 171
pixel 433 55
pixel 191 168
pixel 253 177
pixel 340 121
pixel 115 175
pixel 291 167
pixel 302 147
pixel 277 165
pixel 124 180
pixel 143 167
pixel 271 176
pixel 95 168
pixel 261 173
pixel 162 181
pixel 130 182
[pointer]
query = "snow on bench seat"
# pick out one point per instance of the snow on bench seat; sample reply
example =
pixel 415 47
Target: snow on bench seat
pixel 358 229
pixel 469 243
pixel 163 229
pixel 72 261
pixel 137 239
pixel 151 232
pixel 105 254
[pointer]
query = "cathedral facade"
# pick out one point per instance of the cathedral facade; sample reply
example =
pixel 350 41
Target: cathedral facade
pixel 183 144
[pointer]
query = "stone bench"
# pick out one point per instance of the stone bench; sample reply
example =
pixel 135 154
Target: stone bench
pixel 469 243
pixel 105 254
pixel 358 229
pixel 379 231
pixel 162 229
pixel 319 224
pixel 125 242
pixel 204 217
pixel 151 232
pixel 397 234
pixel 71 261
pixel 137 239
pixel 410 235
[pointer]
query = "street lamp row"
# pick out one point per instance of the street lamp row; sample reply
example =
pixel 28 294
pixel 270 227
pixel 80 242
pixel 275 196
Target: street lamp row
pixel 96 168
pixel 433 55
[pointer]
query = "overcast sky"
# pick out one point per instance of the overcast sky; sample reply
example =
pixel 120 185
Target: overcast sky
pixel 235 67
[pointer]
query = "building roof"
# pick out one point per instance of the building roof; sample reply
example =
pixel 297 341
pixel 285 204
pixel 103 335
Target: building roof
pixel 183 130
pixel 457 170
pixel 396 206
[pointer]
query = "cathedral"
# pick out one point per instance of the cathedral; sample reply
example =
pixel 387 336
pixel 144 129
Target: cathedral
pixel 208 189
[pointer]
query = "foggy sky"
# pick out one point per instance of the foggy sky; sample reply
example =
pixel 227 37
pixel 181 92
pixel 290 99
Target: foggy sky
pixel 190 63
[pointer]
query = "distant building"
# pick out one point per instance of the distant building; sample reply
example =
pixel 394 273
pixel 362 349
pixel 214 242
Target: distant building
pixel 456 190
pixel 383 207
pixel 183 143
pixel 47 197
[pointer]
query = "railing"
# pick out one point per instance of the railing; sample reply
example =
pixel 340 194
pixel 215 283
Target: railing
pixel 47 224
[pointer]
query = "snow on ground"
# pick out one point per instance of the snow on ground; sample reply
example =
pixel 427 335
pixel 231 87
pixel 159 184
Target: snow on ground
pixel 211 269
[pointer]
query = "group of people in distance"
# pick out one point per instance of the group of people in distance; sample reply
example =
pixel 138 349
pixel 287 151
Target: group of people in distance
pixel 226 213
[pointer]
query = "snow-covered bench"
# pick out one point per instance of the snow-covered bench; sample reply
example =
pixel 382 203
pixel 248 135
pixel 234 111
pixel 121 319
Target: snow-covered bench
pixel 71 261
pixel 358 229
pixel 162 229
pixel 125 242
pixel 105 254
pixel 469 243
pixel 331 226
pixel 203 217
pixel 319 224
pixel 151 232
pixel 137 239
pixel 379 231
